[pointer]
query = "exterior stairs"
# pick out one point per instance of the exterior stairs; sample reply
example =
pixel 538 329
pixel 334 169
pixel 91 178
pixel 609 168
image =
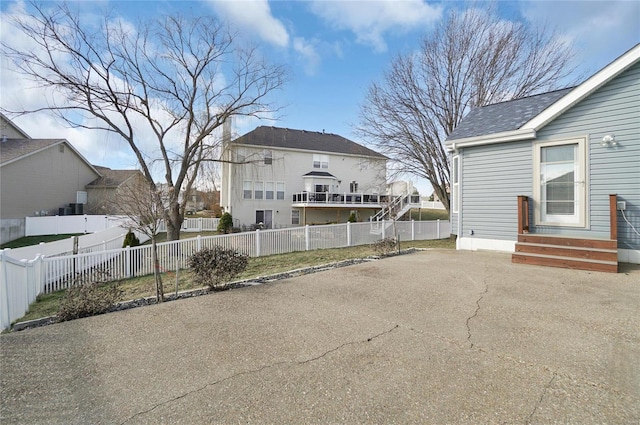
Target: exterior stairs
pixel 567 252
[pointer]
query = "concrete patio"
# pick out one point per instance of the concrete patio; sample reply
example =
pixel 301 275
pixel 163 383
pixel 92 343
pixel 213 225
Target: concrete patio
pixel 434 337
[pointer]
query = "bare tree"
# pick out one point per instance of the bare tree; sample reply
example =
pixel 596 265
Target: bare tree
pixel 164 87
pixel 142 204
pixel 473 58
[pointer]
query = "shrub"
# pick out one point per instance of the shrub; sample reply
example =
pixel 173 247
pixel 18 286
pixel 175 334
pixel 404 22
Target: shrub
pixel 215 267
pixel 352 218
pixel 89 296
pixel 130 239
pixel 226 223
pixel 385 246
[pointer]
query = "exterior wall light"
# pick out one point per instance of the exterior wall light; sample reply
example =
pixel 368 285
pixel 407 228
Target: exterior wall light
pixel 608 140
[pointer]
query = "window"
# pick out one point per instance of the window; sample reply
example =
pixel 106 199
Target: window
pixel 280 190
pixel 240 157
pixel 246 189
pixel 268 194
pixel 455 179
pixel 268 157
pixel 258 190
pixel 320 161
pixel 264 218
pixel 322 188
pixel 353 187
pixel 560 187
pixel 295 217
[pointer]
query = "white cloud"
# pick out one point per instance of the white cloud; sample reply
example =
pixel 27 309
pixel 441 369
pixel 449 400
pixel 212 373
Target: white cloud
pixel 371 20
pixel 254 16
pixel 308 51
pixel 600 30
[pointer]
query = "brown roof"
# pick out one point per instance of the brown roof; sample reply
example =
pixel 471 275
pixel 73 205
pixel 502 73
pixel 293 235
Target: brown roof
pixel 111 178
pixel 302 139
pixel 13 149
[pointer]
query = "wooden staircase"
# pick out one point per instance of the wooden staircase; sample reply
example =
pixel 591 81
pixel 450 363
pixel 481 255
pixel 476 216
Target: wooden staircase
pixel 567 252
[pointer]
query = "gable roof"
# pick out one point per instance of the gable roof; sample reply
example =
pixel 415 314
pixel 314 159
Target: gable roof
pixel 14 149
pixel 6 122
pixel 276 137
pixel 505 116
pixel 111 178
pixel 474 133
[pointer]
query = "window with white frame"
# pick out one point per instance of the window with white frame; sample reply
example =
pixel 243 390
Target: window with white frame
pixel 295 217
pixel 268 193
pixel 560 192
pixel 320 161
pixel 268 157
pixel 258 190
pixel 455 184
pixel 247 188
pixel 280 191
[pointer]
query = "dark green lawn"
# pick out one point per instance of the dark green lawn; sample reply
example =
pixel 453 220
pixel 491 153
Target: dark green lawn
pixel 35 240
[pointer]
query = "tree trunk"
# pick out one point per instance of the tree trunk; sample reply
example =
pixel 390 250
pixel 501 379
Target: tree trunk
pixel 156 271
pixel 174 222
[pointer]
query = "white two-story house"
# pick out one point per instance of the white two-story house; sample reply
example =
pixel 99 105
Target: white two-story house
pixel 279 177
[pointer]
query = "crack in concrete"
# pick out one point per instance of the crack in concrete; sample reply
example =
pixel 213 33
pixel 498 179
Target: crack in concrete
pixel 475 313
pixel 260 369
pixel 539 402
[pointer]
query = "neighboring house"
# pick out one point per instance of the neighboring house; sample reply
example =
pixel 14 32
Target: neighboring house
pixel 534 176
pixel 49 177
pixel 282 177
pixel 38 177
pixel 103 192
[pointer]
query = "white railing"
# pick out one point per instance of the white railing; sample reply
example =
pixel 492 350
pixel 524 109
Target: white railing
pixel 432 205
pixel 61 224
pixel 22 281
pixel 196 224
pixel 337 198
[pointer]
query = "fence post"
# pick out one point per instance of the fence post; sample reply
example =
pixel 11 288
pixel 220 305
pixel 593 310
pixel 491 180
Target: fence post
pixel 413 230
pixel 306 237
pixel 199 243
pixel 348 233
pixel 5 320
pixel 438 229
pixel 200 224
pixel 257 242
pixel 127 261
pixel 384 224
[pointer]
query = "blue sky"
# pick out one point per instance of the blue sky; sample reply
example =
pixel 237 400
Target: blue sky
pixel 335 50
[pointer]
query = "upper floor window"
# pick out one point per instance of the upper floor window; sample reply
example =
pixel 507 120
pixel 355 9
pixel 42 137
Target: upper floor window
pixel 268 157
pixel 320 161
pixel 280 190
pixel 268 193
pixel 258 190
pixel 246 189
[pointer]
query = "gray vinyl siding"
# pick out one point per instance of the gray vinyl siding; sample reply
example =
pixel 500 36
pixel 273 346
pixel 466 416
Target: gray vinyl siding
pixel 493 177
pixel 612 109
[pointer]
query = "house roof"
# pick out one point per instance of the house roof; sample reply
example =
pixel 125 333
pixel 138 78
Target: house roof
pixel 505 116
pixel 7 122
pixel 111 178
pixel 316 141
pixel 13 149
pixel 525 123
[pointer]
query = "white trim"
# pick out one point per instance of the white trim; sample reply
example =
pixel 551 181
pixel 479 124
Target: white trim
pixel 455 184
pixel 629 256
pixel 583 195
pixel 475 244
pixel 506 136
pixel 596 81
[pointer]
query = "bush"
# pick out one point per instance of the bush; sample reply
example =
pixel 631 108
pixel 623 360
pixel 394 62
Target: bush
pixel 226 223
pixel 130 239
pixel 385 246
pixel 89 296
pixel 352 218
pixel 216 267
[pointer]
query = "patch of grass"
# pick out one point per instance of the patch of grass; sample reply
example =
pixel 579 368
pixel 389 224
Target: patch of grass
pixel 162 237
pixel 429 214
pixel 35 240
pixel 144 286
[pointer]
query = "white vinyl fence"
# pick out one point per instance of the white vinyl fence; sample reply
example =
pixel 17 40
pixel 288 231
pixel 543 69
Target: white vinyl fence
pixel 198 224
pixel 22 281
pixel 61 224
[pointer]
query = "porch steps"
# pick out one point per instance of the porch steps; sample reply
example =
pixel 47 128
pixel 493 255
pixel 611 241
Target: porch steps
pixel 566 252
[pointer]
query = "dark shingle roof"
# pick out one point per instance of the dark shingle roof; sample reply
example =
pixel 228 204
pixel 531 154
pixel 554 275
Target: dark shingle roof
pixel 505 116
pixel 302 139
pixel 111 178
pixel 318 174
pixel 12 149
